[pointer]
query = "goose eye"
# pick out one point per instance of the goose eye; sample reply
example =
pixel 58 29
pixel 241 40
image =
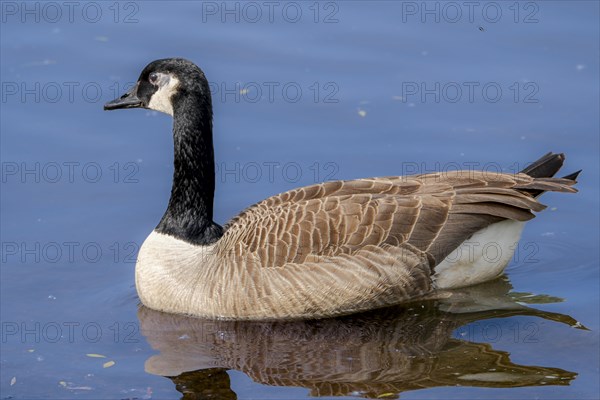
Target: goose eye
pixel 153 78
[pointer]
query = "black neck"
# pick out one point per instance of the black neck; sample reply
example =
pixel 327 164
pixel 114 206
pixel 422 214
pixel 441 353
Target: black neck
pixel 189 215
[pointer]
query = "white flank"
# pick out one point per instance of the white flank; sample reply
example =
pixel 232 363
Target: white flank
pixel 480 258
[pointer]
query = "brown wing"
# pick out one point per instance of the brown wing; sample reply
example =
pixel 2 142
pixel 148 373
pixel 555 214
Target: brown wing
pixel 433 212
pixel 346 246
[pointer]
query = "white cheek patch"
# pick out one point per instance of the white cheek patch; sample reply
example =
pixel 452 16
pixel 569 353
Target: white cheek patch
pixel 161 99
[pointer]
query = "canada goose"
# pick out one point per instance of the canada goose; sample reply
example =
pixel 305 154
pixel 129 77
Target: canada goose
pixel 323 250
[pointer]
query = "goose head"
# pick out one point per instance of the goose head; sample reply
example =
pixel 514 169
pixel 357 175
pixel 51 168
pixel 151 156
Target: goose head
pixel 166 85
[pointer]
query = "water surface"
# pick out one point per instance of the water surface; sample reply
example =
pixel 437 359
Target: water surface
pixel 341 90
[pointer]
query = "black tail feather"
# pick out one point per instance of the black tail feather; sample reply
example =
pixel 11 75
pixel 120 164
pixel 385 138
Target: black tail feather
pixel 546 167
pixel 573 176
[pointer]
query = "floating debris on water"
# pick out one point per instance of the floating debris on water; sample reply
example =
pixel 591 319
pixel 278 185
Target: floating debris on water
pixel 40 63
pixel 69 385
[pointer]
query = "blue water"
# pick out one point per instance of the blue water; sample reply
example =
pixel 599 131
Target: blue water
pixel 303 92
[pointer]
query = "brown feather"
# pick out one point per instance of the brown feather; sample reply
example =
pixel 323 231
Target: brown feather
pixel 340 247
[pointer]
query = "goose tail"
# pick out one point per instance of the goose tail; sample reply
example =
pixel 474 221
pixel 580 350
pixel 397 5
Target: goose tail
pixel 544 170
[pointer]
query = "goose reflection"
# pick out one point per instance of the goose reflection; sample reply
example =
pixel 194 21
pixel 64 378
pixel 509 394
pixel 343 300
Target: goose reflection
pixel 373 355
